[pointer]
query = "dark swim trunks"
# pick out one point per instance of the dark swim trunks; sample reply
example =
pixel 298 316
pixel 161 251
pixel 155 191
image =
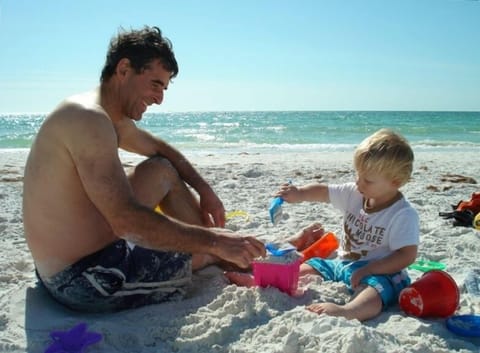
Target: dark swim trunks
pixel 119 277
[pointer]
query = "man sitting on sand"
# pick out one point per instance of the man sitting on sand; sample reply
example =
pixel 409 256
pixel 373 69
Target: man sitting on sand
pixel 381 228
pixel 95 239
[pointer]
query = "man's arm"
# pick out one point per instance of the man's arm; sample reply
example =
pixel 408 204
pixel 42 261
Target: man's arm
pixel 92 144
pixel 136 140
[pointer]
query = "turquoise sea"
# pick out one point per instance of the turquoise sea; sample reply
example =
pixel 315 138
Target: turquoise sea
pixel 282 131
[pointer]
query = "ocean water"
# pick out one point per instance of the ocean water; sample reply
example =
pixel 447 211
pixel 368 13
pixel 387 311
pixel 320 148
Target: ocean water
pixel 282 131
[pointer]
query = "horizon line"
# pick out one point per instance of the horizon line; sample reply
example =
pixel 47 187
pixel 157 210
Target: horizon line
pixel 276 111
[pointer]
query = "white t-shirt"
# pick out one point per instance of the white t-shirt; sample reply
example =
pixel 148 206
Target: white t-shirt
pixel 372 235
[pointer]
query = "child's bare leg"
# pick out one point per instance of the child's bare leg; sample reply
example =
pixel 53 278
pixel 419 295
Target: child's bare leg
pixel 306 269
pixel 365 304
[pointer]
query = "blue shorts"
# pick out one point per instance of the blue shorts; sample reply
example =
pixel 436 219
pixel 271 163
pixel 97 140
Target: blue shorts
pixel 119 277
pixel 387 286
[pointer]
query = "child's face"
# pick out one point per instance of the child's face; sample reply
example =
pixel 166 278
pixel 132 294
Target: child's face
pixel 375 186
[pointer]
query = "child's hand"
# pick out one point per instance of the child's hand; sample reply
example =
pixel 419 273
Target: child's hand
pixel 289 193
pixel 358 275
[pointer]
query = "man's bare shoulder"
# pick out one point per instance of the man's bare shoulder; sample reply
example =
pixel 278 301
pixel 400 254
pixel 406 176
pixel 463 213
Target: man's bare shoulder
pixel 77 124
pixel 74 116
pixel 80 106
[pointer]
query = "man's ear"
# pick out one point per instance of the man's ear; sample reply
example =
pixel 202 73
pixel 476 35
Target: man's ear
pixel 123 67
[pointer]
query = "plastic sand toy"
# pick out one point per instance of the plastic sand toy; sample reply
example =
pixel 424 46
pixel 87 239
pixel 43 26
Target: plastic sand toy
pixel 435 294
pixel 464 325
pixel 322 248
pixel 275 210
pixel 425 265
pixel 279 271
pixel 237 213
pixel 75 340
pixel 277 250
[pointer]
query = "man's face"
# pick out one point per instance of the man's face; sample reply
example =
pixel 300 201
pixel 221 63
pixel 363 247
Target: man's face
pixel 145 88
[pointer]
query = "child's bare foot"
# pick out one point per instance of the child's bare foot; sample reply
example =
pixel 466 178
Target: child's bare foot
pixel 240 279
pixel 330 309
pixel 307 236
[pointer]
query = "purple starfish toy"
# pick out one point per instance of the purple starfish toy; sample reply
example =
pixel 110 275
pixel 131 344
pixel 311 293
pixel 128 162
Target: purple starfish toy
pixel 75 340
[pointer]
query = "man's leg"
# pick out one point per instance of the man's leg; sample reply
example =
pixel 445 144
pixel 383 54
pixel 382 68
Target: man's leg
pixel 156 182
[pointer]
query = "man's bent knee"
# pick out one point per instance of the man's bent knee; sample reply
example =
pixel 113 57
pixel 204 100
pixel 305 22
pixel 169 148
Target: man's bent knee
pixel 153 179
pixel 157 166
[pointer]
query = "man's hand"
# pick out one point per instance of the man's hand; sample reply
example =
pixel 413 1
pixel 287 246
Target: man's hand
pixel 213 212
pixel 240 250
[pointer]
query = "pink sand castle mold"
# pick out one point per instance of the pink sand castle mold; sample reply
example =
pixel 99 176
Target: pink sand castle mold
pixel 279 271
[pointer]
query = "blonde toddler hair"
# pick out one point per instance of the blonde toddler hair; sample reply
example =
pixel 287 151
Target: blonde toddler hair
pixel 386 153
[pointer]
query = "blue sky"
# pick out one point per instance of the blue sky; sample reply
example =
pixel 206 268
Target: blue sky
pixel 254 54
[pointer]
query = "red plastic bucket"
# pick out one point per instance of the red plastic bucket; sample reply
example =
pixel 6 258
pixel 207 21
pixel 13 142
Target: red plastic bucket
pixel 435 294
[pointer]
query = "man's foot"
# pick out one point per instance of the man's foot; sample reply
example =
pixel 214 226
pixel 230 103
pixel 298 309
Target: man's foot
pixel 200 261
pixel 240 279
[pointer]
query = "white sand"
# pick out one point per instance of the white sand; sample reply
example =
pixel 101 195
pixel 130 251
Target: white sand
pixel 218 317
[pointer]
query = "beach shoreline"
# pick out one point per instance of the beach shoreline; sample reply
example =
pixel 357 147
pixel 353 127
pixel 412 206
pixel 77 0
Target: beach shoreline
pixel 218 317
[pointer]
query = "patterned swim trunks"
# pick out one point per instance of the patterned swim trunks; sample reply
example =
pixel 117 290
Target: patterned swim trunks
pixel 121 277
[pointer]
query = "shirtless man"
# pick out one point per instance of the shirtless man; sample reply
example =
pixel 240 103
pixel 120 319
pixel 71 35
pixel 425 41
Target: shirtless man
pixel 97 243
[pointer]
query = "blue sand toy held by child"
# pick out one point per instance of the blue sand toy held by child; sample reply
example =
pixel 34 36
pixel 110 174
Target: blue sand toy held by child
pixel 275 209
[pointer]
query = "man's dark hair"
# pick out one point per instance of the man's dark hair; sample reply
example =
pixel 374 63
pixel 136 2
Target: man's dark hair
pixel 141 47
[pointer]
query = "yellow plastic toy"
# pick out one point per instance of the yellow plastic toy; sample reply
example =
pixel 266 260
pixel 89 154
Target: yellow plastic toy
pixel 237 213
pixel 476 221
